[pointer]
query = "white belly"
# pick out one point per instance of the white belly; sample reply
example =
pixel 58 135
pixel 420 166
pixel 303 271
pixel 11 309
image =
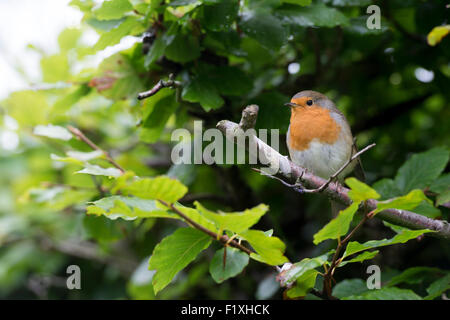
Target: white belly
pixel 324 159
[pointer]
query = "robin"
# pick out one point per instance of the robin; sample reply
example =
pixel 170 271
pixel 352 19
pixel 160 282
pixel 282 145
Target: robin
pixel 319 137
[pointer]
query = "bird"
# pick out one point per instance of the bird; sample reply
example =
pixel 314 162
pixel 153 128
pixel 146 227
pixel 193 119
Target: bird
pixel 319 138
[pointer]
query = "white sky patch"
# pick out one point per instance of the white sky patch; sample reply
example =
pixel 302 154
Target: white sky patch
pixel 29 21
pixel 424 75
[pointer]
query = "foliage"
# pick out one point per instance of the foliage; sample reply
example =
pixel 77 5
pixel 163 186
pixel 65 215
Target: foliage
pixel 154 229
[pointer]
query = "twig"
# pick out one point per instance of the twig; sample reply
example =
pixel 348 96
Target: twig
pixel 292 172
pixel 222 238
pixel 171 83
pixel 80 135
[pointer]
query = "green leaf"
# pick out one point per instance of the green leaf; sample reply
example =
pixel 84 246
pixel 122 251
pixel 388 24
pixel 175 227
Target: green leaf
pixel 421 169
pixel 129 27
pixel 438 287
pixel 303 284
pixel 338 226
pixel 300 268
pixel 68 39
pixel 220 16
pixel 269 249
pixel 51 131
pixel 444 197
pixel 159 188
pixel 408 202
pixel 360 191
pixel 117 79
pixel 367 255
pixel 349 287
pixel 317 15
pixel 230 81
pixel 236 222
pixel 437 34
pixel 67 100
pixel 425 208
pixel 55 68
pixel 387 188
pixel 174 253
pixel 158 115
pixel 204 92
pixel 414 275
pixel 113 9
pixel 441 184
pixel 402 237
pixel 264 28
pixel 156 51
pixel 298 2
pixel 96 170
pixel 390 293
pixel 183 48
pixel 196 216
pixel 236 261
pixel 28 107
pixel 128 208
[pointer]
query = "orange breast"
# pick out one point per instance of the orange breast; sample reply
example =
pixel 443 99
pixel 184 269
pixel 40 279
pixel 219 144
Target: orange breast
pixel 308 123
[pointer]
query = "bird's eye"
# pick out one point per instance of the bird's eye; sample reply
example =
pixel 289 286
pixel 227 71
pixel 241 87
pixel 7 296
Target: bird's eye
pixel 309 102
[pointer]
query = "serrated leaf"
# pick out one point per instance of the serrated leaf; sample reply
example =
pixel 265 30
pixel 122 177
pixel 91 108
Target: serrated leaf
pixel 408 202
pixel 269 249
pixel 387 188
pixel 96 170
pixel 438 287
pixel 360 191
pixel 174 253
pixel 303 284
pixel 421 169
pixel 402 237
pixel 236 222
pixel 236 261
pixel 389 293
pixel 338 226
pixel 127 208
pixel 196 216
pixel 113 9
pixel 298 269
pixel 52 131
pixel 159 188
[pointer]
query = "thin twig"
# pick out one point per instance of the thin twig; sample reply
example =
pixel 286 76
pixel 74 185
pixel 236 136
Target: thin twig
pixel 171 83
pixel 80 135
pixel 222 238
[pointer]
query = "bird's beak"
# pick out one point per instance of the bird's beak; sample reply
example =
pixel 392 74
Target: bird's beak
pixel 290 104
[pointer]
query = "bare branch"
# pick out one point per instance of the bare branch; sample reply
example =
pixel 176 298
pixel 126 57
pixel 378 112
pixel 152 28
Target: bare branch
pixel 171 83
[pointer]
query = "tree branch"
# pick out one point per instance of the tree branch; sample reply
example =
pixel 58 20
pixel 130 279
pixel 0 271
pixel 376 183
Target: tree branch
pixel 171 83
pixel 292 172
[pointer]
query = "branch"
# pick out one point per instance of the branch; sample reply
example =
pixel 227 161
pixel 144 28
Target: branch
pixel 222 238
pixel 80 135
pixel 292 172
pixel 171 83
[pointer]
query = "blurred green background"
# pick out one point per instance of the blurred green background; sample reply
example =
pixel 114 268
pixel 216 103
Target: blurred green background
pixel 392 85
